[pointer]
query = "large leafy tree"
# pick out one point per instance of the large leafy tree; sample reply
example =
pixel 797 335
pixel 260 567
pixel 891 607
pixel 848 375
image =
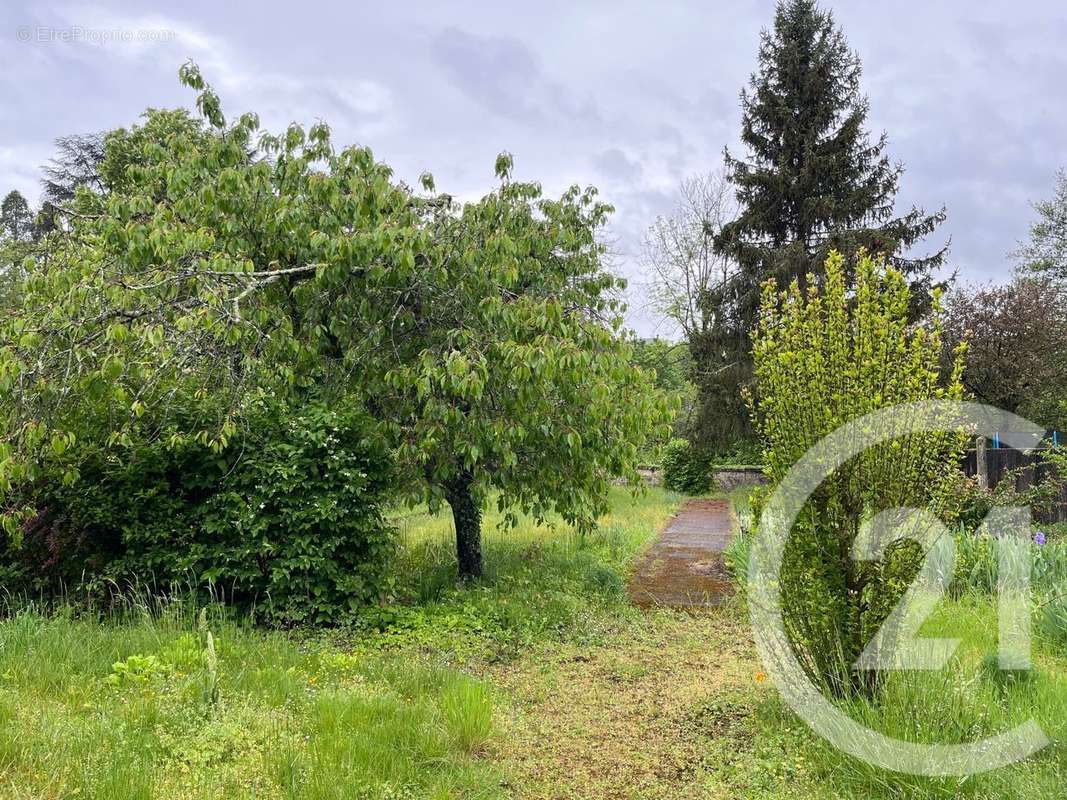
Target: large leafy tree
pixel 484 336
pixel 1017 356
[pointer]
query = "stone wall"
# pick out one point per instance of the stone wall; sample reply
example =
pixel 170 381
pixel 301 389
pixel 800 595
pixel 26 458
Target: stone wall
pixel 728 479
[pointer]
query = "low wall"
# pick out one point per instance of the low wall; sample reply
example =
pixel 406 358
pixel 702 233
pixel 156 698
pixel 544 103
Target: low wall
pixel 729 478
pixel 724 479
pixel 651 475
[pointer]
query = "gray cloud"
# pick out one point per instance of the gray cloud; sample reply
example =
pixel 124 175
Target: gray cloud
pixel 616 164
pixel 631 96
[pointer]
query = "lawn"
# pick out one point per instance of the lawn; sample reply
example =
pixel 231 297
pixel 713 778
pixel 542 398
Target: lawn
pixel 541 681
pixel 140 708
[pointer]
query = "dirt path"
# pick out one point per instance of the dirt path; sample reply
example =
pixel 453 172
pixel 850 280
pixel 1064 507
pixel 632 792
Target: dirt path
pixel 684 567
pixel 658 712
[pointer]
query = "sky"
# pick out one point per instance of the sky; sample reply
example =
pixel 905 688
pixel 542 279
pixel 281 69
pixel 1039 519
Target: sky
pixel 630 97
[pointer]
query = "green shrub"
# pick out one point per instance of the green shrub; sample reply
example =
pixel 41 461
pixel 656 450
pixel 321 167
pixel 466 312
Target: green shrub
pixel 299 521
pixel 839 351
pixel 287 519
pixel 966 503
pixel 743 452
pixel 685 469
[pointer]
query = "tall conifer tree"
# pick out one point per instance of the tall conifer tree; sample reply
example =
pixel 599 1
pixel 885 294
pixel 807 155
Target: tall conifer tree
pixel 813 181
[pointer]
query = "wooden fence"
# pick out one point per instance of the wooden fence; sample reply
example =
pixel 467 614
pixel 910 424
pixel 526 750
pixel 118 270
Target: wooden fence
pixel 994 464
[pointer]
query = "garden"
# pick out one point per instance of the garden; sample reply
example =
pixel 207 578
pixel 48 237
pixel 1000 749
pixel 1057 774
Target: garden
pixel 317 482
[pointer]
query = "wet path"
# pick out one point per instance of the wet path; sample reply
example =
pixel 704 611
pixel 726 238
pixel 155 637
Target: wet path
pixel 684 567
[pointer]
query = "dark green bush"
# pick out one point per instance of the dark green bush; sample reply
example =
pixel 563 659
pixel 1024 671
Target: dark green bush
pixel 685 469
pixel 288 519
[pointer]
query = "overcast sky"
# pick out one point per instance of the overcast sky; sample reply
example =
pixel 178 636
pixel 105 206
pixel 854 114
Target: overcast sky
pixel 630 97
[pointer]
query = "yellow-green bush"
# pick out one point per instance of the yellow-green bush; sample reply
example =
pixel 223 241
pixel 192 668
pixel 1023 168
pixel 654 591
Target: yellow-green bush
pixel 822 359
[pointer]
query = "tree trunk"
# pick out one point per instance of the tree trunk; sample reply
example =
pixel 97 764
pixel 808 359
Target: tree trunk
pixel 467 513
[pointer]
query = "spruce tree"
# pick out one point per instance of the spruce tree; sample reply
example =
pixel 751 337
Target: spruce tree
pixel 813 181
pixel 16 218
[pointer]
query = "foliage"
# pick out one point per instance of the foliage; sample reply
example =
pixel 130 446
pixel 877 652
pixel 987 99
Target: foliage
pixel 745 453
pixel 685 468
pixel 966 503
pixel 746 504
pixel 970 698
pixel 484 336
pixel 16 232
pixel 1017 353
pixel 815 182
pixel 1052 620
pixel 544 585
pixel 75 165
pixel 977 559
pixel 673 367
pixel 1046 251
pixel 16 218
pixel 671 363
pixel 288 519
pixel 822 359
pixel 298 522
pixel 693 287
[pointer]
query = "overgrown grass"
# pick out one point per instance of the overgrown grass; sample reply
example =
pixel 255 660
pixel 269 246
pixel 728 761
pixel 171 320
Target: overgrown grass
pixel 542 583
pixel 140 707
pixel 540 680
pixel 161 700
pixel 969 699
